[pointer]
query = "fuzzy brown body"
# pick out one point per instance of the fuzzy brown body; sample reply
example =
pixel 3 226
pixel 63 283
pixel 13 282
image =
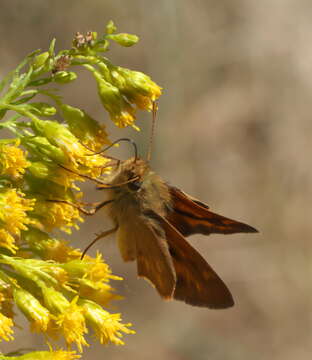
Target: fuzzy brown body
pixel 152 219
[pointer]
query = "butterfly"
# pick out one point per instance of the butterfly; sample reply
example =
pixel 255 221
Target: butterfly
pixel 152 220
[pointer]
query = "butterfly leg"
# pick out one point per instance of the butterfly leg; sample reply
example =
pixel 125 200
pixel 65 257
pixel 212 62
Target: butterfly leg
pixel 100 236
pixel 97 206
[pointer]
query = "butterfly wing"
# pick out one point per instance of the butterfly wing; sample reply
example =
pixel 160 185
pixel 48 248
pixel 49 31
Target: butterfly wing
pixel 191 216
pixel 196 282
pixel 154 261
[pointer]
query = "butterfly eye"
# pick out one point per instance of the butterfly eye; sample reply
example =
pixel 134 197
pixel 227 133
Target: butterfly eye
pixel 135 185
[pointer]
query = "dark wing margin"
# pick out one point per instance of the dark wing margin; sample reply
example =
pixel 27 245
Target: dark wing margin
pixel 154 261
pixel 191 216
pixel 197 283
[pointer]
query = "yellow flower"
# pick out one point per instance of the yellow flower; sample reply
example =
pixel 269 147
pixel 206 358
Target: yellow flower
pixel 12 160
pixel 79 158
pixel 107 327
pixel 50 248
pixel 7 241
pixel 59 251
pixel 6 325
pixel 85 128
pixel 99 270
pixel 13 216
pixel 120 110
pixel 68 317
pixel 136 86
pixel 72 323
pixel 57 215
pixel 53 172
pixel 99 292
pixel 89 268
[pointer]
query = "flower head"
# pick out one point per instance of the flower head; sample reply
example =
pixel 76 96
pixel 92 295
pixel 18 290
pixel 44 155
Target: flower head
pixel 107 327
pixel 13 216
pixel 12 160
pixel 57 215
pixel 71 323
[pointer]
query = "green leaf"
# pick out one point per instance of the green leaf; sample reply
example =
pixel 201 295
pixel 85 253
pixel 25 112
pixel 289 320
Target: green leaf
pixel 15 72
pixel 17 86
pixel 52 47
pixel 124 39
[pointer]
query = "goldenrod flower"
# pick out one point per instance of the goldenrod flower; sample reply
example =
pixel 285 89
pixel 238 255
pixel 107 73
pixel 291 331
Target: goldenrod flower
pixel 12 160
pixel 57 215
pixel 84 127
pixel 138 88
pixel 7 241
pixel 37 314
pixel 50 248
pixel 107 327
pixel 71 323
pixel 54 173
pixel 13 216
pixel 6 325
pixel 99 292
pixel 120 111
pixel 89 268
pixel 77 155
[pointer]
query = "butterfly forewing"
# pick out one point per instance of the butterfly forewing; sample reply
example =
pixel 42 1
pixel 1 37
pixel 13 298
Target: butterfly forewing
pixel 191 216
pixel 154 261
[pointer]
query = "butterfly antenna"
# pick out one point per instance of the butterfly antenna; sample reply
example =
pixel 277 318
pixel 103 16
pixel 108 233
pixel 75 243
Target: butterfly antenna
pixel 154 110
pixel 116 142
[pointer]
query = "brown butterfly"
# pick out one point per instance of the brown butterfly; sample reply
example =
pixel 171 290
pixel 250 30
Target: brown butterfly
pixel 152 219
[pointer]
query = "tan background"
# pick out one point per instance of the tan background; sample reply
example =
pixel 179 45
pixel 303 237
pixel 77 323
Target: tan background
pixel 234 129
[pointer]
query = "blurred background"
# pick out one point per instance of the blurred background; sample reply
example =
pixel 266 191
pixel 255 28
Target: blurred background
pixel 234 130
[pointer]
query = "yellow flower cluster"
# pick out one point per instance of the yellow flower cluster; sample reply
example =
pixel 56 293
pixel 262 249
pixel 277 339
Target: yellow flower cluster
pixel 123 91
pixel 53 303
pixel 59 294
pixel 42 276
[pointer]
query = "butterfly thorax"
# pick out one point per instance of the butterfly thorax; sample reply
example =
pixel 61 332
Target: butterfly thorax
pixel 144 192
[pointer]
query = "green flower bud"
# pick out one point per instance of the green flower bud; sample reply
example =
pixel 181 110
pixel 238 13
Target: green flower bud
pixel 54 300
pixel 57 134
pixel 64 77
pixel 42 147
pixel 121 112
pixel 124 39
pixel 31 308
pixel 110 27
pixel 83 126
pixel 138 82
pixel 39 169
pixel 43 109
pixel 40 60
